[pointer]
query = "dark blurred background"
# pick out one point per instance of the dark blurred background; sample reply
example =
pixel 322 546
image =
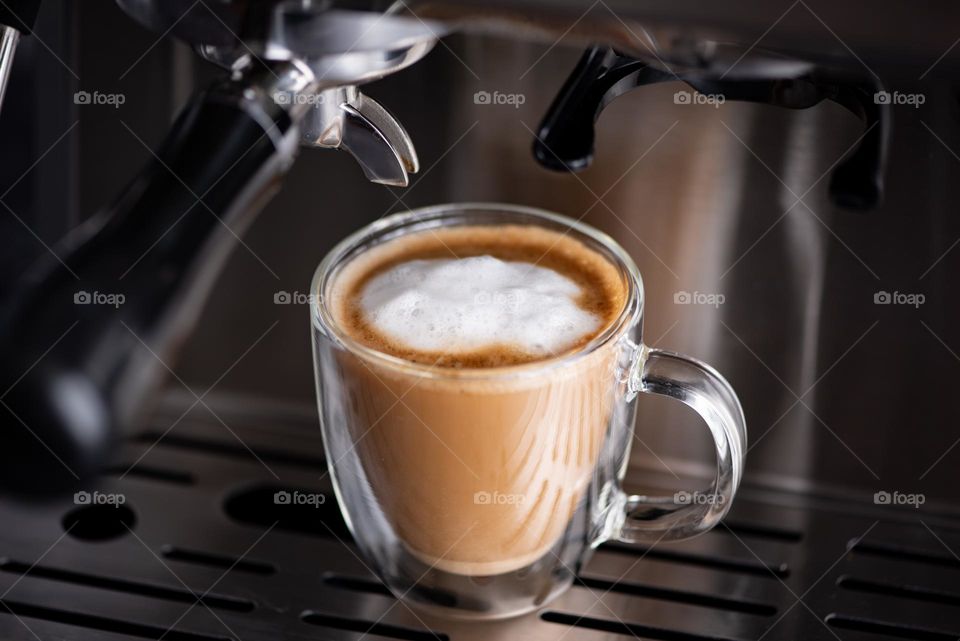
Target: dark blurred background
pixel 841 394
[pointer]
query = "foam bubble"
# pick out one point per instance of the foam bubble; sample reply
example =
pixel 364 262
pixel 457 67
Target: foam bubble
pixel 464 304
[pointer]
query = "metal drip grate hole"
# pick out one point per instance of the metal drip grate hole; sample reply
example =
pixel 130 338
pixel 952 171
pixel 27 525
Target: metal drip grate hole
pixel 104 624
pixel 354 584
pixel 745 566
pixel 99 522
pixel 898 631
pixel 372 627
pixel 678 596
pixel 903 552
pixel 221 561
pixel 131 587
pixel 152 473
pixel 233 450
pixel 628 629
pixel 916 593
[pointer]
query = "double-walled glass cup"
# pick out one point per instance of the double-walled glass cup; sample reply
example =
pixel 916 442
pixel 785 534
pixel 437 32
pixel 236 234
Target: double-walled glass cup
pixel 481 493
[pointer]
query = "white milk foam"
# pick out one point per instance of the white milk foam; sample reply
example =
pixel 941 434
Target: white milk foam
pixel 462 304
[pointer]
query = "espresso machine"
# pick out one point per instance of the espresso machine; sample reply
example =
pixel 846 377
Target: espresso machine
pixel 784 174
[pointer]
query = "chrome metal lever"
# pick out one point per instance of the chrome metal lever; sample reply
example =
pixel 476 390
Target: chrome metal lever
pixel 16 20
pixel 9 37
pixel 344 118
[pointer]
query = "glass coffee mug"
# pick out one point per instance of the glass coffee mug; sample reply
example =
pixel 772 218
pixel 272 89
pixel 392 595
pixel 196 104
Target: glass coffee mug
pixel 480 493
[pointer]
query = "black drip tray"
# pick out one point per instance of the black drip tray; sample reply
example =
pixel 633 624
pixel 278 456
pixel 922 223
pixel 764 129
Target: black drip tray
pixel 191 545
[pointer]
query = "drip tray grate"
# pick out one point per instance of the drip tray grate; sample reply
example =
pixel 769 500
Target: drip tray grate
pixel 189 545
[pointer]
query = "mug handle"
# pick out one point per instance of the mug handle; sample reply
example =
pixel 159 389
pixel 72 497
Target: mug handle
pixel 651 519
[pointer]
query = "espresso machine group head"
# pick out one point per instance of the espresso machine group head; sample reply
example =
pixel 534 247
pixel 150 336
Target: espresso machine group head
pixel 292 72
pixel 292 76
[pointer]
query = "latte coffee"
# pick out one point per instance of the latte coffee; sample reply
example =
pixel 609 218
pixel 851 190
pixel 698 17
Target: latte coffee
pixel 478 474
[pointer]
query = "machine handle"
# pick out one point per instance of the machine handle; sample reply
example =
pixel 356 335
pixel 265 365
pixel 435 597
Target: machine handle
pixel 16 18
pixel 565 140
pixel 89 337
